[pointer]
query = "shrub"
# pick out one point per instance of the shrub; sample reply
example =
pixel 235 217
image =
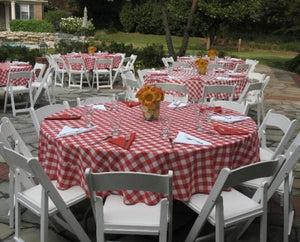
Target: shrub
pixel 20 53
pixel 73 25
pixel 55 17
pixel 31 25
pixel 294 64
pixel 65 46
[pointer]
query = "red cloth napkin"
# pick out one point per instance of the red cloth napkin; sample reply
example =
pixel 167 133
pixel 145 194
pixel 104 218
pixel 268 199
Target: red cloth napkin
pixel 131 104
pixel 218 109
pixel 226 130
pixel 63 117
pixel 120 141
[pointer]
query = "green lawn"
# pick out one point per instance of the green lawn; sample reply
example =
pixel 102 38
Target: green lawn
pixel 197 46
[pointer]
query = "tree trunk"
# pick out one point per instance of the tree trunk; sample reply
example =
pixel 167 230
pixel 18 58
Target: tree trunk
pixel 167 29
pixel 186 36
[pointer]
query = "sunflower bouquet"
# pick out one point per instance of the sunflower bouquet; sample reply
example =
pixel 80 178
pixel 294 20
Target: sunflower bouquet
pixel 200 62
pixel 92 50
pixel 150 97
pixel 212 54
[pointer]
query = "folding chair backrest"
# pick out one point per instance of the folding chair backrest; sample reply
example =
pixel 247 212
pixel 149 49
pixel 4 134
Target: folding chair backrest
pixel 242 67
pixel 103 63
pixel 167 61
pixel 256 76
pixel 41 113
pixel 255 88
pixel 38 71
pixel 173 88
pixel 214 66
pixel 239 107
pixel 226 91
pixel 60 64
pixel 95 100
pixel 142 73
pixel 278 121
pixel 137 181
pixel 11 138
pixel 76 64
pixel 180 64
pixel 25 75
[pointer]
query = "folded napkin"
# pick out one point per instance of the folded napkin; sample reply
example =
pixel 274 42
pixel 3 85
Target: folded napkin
pixel 217 109
pixel 67 131
pixel 229 119
pixel 63 117
pixel 184 138
pixel 99 107
pixel 226 130
pixel 121 141
pixel 131 104
pixel 181 104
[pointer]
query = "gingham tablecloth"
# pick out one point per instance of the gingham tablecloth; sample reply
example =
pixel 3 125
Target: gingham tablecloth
pixel 89 60
pixel 195 167
pixel 5 68
pixel 195 82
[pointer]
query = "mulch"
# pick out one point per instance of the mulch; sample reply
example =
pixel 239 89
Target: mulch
pixel 4 171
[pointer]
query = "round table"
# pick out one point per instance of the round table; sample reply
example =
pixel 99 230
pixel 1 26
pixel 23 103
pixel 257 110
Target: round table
pixel 195 167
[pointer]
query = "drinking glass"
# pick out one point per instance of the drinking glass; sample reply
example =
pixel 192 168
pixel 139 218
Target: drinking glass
pixel 115 122
pixel 164 123
pixel 88 115
pixel 114 102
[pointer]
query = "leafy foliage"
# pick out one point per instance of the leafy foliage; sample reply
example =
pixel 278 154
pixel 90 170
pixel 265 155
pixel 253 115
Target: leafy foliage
pixel 20 53
pixel 31 25
pixel 294 64
pixel 73 25
pixel 55 17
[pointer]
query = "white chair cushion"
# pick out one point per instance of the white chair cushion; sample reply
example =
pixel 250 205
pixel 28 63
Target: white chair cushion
pixel 139 214
pixel 70 196
pixel 234 203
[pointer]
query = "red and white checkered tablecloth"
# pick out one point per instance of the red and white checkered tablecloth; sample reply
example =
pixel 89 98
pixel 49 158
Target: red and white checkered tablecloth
pixel 5 68
pixel 195 82
pixel 195 167
pixel 89 60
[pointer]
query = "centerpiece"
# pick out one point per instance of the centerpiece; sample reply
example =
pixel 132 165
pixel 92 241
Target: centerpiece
pixel 212 54
pixel 201 64
pixel 92 50
pixel 150 98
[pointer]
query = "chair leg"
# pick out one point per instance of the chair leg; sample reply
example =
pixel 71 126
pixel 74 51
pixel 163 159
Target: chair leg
pixel 17 221
pixel 13 103
pixel 11 189
pixel 5 101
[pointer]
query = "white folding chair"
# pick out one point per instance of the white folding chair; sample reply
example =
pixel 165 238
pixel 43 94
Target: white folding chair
pixel 224 209
pixel 171 89
pixel 61 70
pixel 239 107
pixel 253 96
pixel 38 115
pixel 12 90
pixel 224 92
pixel 132 85
pixel 96 100
pixel 286 128
pixel 38 71
pixel 77 68
pixel 113 216
pixel 103 67
pixel 10 137
pixel 252 64
pixel 281 184
pixel 168 61
pixel 117 70
pixel 44 199
pixel 44 84
pixel 142 73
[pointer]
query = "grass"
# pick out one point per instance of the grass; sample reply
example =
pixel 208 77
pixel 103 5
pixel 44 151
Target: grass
pixel 197 46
